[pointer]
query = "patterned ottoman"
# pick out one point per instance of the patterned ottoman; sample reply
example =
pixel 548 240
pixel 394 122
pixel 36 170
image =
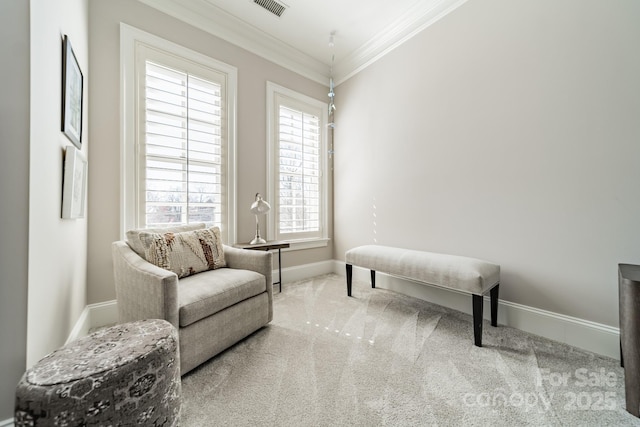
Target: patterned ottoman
pixel 127 374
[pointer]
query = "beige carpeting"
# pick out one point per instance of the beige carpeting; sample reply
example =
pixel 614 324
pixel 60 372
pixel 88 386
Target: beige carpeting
pixel 382 358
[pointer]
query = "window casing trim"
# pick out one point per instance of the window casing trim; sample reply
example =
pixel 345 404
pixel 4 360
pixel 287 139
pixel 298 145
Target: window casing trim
pixel 129 38
pixel 273 92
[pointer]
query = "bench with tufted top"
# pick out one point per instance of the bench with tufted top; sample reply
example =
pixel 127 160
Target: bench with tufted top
pixel 449 271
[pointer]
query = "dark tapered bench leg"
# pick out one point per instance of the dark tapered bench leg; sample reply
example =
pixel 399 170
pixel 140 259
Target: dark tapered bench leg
pixel 494 305
pixel 477 319
pixel 349 276
pixel 477 313
pixel 373 278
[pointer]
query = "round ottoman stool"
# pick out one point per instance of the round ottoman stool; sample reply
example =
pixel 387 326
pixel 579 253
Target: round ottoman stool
pixel 127 374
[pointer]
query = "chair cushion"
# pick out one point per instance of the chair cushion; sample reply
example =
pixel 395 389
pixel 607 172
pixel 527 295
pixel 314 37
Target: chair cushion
pixel 185 253
pixel 209 292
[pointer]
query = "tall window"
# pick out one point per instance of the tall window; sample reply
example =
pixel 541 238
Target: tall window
pixel 183 136
pixel 298 188
pixel 181 167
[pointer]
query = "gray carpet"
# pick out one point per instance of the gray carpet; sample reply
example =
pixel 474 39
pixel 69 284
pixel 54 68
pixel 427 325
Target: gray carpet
pixel 382 358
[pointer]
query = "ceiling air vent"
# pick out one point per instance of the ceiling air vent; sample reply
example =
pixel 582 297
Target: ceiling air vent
pixel 272 6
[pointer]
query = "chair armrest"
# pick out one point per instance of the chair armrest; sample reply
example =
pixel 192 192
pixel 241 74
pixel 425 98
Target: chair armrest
pixel 258 261
pixel 143 290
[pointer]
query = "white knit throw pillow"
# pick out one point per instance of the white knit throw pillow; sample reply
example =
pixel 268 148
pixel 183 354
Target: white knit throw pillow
pixel 185 253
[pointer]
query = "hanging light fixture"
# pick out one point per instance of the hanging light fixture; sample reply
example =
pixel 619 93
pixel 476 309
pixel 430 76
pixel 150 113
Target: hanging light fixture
pixel 332 106
pixel 332 94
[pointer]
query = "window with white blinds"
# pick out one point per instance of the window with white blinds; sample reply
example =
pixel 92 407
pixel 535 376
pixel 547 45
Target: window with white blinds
pixel 182 146
pixel 297 167
pixel 299 171
pixel 178 116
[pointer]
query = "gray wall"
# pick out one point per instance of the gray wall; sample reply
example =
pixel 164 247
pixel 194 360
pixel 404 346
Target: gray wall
pixel 57 247
pixel 43 258
pixel 14 193
pixel 104 176
pixel 508 131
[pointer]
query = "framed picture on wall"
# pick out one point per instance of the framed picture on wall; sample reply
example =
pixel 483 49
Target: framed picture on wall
pixel 74 184
pixel 71 95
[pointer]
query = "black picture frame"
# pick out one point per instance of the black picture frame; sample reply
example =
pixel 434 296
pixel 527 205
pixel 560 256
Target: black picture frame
pixel 72 87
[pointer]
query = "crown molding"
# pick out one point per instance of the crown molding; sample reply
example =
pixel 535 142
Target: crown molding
pixel 412 22
pixel 213 20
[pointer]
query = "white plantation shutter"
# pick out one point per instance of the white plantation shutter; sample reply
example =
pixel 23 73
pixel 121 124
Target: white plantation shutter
pixel 298 185
pixel 182 167
pixel 182 148
pixel 178 118
pixel 299 171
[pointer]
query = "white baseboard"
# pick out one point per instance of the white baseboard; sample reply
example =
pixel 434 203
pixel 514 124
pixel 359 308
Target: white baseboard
pixel 584 334
pixel 94 316
pixel 591 336
pixel 81 328
pixel 7 423
pixel 306 271
pixel 104 313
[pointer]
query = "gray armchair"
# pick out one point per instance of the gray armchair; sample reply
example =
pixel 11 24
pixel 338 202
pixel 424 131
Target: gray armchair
pixel 211 310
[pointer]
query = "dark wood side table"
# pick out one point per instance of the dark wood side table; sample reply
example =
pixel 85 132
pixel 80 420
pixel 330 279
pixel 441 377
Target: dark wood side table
pixel 269 246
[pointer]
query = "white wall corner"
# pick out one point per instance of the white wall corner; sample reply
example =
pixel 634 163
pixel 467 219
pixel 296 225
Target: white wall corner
pixel 81 328
pixel 7 423
pixel 580 333
pixel 94 316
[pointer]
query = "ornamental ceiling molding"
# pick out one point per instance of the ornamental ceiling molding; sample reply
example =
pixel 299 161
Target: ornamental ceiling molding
pixel 213 20
pixel 412 22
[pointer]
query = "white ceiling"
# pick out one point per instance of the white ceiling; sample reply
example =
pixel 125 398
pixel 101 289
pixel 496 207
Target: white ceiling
pixel 299 39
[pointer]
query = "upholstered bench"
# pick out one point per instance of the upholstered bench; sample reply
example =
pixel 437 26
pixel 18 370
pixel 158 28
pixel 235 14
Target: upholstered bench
pixel 449 271
pixel 128 374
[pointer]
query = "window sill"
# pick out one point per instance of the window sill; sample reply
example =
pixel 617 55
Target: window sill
pixel 295 245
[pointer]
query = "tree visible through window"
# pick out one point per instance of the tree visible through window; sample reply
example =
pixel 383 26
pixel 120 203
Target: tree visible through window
pixel 299 183
pixel 297 175
pixel 179 135
pixel 183 148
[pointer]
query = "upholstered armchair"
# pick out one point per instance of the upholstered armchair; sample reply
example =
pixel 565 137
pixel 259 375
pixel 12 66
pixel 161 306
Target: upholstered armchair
pixel 211 309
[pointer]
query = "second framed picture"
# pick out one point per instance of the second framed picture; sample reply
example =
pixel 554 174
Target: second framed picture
pixel 72 82
pixel 74 187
